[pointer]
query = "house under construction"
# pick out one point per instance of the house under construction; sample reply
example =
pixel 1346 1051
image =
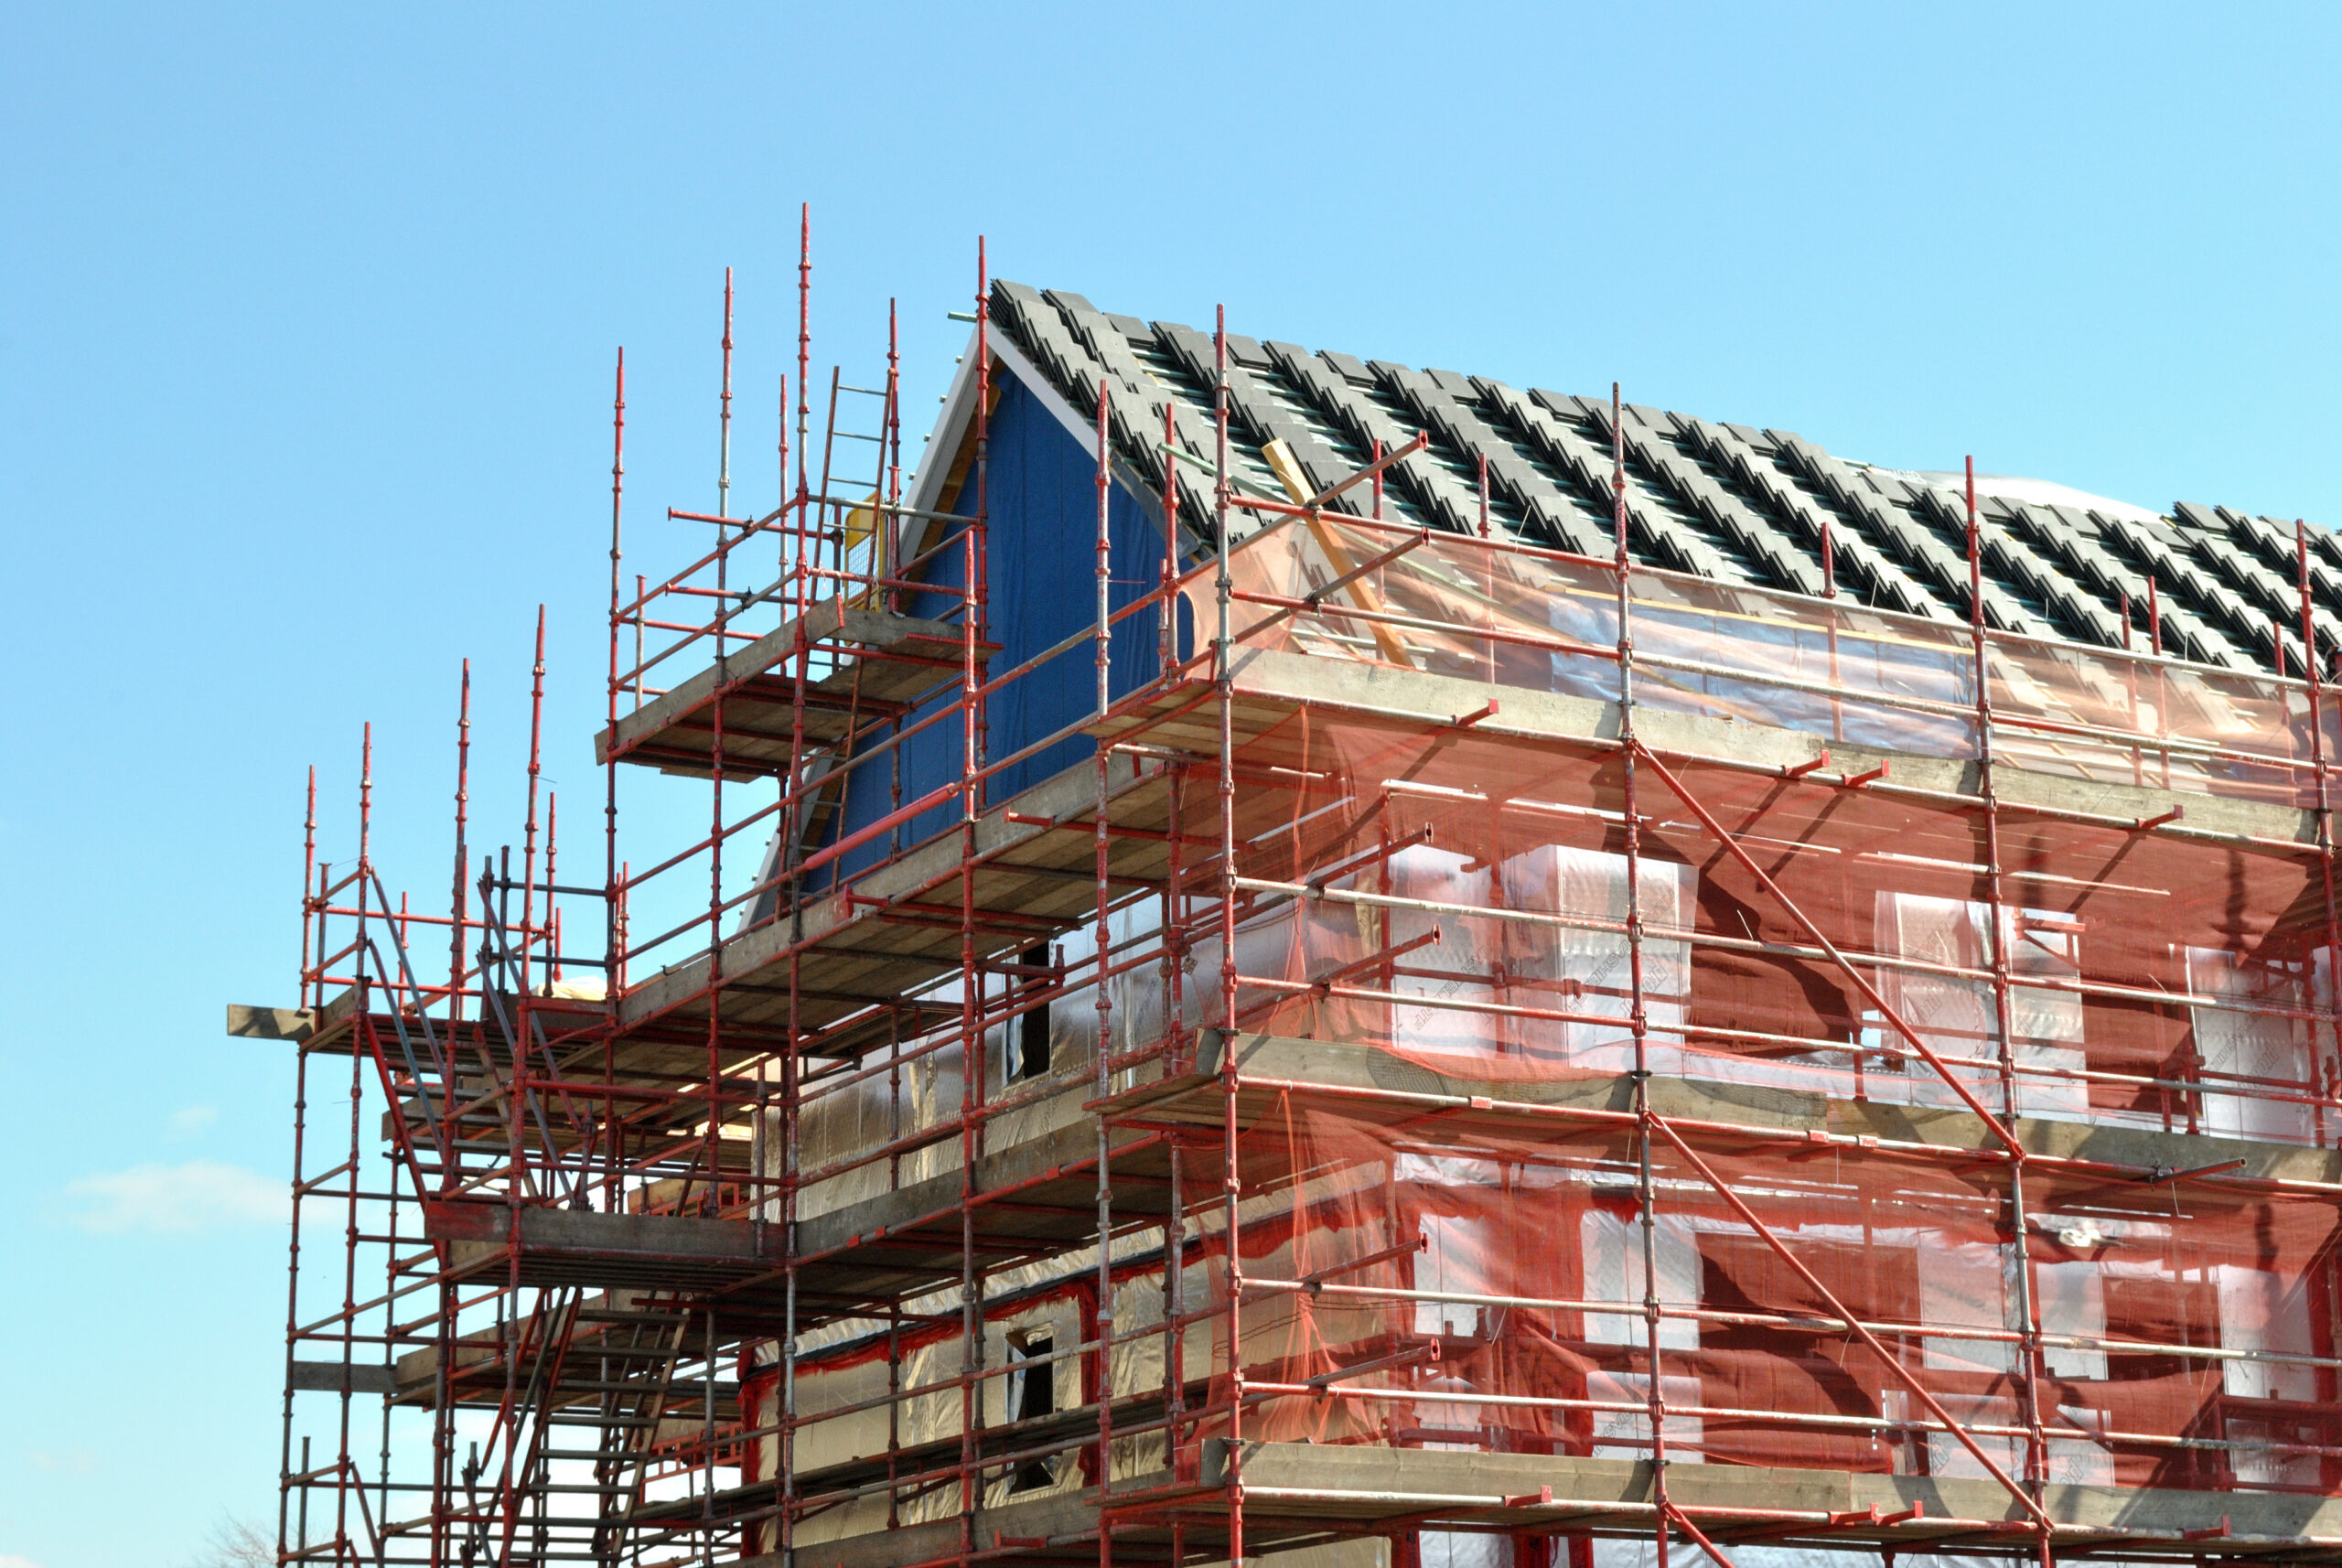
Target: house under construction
pixel 1294 954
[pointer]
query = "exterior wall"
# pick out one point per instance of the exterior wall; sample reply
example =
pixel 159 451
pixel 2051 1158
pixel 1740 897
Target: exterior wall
pixel 1041 547
pixel 1454 902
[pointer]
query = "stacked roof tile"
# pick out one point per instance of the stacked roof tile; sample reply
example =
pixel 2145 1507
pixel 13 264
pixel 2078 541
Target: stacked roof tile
pixel 1726 501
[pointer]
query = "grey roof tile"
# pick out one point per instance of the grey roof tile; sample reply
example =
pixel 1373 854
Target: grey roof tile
pixel 2272 541
pixel 2003 608
pixel 1454 428
pixel 1136 403
pixel 1786 564
pixel 1246 351
pixel 2278 602
pixel 1252 417
pixel 1736 502
pixel 2069 539
pixel 1570 503
pixel 1425 488
pixel 1884 583
pixel 1653 522
pixel 1893 531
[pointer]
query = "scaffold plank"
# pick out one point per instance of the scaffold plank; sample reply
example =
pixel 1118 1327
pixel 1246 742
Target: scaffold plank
pixel 1374 1085
pixel 900 658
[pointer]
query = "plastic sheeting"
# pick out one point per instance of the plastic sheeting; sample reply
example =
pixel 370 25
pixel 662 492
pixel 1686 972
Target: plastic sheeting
pixel 1543 621
pixel 909 1097
pixel 2188 1333
pixel 1461 902
pixel 2153 981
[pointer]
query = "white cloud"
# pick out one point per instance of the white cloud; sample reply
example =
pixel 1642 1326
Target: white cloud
pixel 200 1195
pixel 7 1560
pixel 189 1120
pixel 73 1461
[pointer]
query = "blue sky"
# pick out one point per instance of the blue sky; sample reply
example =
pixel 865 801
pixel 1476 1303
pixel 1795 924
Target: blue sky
pixel 305 326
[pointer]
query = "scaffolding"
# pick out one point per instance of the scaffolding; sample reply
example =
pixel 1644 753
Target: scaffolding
pixel 1495 1056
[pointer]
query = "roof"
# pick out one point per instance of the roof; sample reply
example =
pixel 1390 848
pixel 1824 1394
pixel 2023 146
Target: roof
pixel 1736 502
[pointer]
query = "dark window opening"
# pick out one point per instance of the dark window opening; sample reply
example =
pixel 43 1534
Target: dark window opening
pixel 1032 1394
pixel 1033 1027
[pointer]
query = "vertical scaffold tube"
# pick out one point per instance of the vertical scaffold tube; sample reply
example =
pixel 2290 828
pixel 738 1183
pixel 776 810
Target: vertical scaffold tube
pixel 804 352
pixel 443 1406
pixel 797 601
pixel 1174 946
pixel 724 420
pixel 2327 1075
pixel 459 908
pixel 971 1051
pixel 1637 1015
pixel 311 909
pixel 613 968
pixel 1104 1079
pixel 792 889
pixel 346 1469
pixel 1999 926
pixel 712 1148
pixel 1231 1186
pixel 884 527
pixel 529 831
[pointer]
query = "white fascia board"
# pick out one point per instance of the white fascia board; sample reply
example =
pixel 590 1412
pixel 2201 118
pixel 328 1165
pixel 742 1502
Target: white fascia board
pixel 959 407
pixel 935 456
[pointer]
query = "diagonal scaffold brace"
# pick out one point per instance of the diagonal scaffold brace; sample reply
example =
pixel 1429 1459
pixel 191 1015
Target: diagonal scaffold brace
pixel 1731 846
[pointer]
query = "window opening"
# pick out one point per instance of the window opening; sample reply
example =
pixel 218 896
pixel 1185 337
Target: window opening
pixel 1032 1031
pixel 1032 1394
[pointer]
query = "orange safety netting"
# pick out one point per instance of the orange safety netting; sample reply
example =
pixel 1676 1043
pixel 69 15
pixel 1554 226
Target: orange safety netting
pixel 1459 901
pixel 1455 902
pixel 1540 621
pixel 2188 1333
pixel 1477 910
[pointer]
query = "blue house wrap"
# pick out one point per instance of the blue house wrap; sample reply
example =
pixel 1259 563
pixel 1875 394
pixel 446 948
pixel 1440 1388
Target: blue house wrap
pixel 1041 546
